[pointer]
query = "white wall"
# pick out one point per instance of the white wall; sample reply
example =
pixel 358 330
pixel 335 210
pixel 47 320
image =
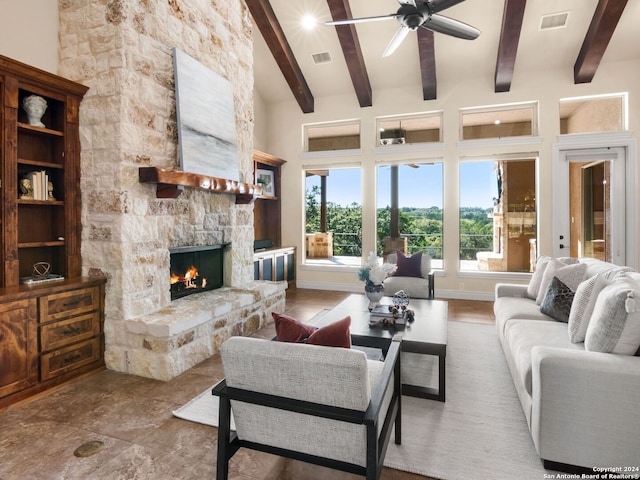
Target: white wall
pixel 29 32
pixel 547 87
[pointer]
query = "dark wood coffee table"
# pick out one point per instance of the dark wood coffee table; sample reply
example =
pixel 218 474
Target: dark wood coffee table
pixel 426 335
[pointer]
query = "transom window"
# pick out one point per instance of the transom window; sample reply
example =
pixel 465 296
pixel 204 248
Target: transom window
pixel 500 121
pixel 415 128
pixel 607 113
pixel 322 137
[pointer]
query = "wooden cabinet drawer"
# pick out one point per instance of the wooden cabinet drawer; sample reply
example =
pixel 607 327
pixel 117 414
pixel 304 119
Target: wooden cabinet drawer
pixel 72 330
pixel 67 304
pixel 66 359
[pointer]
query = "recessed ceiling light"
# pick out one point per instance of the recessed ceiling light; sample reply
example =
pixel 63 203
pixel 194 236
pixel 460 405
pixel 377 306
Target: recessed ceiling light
pixel 309 22
pixel 497 122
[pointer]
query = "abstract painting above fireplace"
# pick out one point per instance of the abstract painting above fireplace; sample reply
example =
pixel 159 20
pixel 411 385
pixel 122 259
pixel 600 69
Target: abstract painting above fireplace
pixel 196 269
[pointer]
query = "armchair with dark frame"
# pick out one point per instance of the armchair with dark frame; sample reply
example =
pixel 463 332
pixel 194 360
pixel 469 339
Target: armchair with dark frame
pixel 322 405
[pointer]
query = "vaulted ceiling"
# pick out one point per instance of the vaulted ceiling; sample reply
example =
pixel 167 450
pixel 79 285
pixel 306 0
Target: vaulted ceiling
pixel 596 31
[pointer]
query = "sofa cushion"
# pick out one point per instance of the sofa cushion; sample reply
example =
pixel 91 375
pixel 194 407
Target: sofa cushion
pixel 522 335
pixel 335 334
pixel 288 329
pixel 557 302
pixel 570 275
pixel 614 326
pixel 509 308
pixel 582 307
pixel 408 266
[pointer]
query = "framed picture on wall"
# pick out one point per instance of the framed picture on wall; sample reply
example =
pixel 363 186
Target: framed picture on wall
pixel 264 178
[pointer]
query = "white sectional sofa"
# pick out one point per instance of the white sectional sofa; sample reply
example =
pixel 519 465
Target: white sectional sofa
pixel 582 406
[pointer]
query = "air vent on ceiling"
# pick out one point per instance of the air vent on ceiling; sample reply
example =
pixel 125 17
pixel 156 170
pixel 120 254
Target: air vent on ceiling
pixel 554 20
pixel 322 57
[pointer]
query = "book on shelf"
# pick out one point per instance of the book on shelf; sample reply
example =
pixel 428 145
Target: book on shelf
pixel 39 184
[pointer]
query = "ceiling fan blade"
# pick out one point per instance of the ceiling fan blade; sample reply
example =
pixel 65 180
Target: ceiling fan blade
pixel 449 26
pixel 440 5
pixel 349 21
pixel 396 40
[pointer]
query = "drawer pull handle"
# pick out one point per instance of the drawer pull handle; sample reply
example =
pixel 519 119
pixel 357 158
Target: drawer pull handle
pixel 72 358
pixel 71 331
pixel 71 304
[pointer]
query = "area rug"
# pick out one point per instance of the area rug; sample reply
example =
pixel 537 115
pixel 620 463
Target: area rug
pixel 479 432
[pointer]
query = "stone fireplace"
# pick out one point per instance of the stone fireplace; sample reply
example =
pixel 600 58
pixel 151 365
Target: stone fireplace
pixel 123 52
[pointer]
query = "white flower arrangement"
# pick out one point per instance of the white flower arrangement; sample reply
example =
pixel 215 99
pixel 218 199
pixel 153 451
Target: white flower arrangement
pixel 374 272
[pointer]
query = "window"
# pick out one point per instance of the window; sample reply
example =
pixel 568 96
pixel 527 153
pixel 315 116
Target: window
pixel 324 137
pixel 417 128
pixel 412 222
pixel 333 216
pixel 499 122
pixel 593 114
pixel 497 215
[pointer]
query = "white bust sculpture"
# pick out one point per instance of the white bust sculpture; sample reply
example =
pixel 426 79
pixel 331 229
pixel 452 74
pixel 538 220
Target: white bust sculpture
pixel 35 107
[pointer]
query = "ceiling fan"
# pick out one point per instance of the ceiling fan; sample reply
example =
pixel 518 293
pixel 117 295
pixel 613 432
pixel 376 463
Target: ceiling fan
pixel 414 14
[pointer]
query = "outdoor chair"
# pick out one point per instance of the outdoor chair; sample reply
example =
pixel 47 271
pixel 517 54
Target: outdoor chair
pixel 322 405
pixel 417 282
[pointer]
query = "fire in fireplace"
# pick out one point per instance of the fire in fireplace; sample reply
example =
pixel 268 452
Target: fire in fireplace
pixel 196 269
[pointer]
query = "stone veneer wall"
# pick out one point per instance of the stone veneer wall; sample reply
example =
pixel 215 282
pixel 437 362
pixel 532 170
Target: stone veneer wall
pixel 122 50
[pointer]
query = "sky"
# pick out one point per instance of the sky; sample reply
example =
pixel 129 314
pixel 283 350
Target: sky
pixel 419 187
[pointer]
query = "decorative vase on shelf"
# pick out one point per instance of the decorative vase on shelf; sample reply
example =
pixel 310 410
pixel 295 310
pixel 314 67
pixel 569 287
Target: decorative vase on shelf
pixel 374 293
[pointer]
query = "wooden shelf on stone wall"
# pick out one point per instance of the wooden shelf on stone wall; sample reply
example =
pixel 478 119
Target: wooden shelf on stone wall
pixel 170 184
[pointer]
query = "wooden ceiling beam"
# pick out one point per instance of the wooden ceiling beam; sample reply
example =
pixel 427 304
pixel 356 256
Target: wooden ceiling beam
pixel 512 17
pixel 350 44
pixel 603 24
pixel 265 18
pixel 427 53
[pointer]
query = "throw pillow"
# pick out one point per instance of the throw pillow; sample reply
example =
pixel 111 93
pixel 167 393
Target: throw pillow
pixel 408 266
pixel 570 275
pixel 536 278
pixel 288 329
pixel 335 334
pixel 614 326
pixel 557 302
pixel 582 307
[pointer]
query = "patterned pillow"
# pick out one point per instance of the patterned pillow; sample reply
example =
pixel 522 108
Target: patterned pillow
pixel 614 326
pixel 570 275
pixel 582 308
pixel 557 302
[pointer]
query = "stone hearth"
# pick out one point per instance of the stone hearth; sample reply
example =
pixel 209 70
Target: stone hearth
pixel 168 342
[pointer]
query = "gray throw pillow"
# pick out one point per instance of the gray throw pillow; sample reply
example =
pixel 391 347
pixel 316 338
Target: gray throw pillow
pixel 614 326
pixel 582 307
pixel 557 302
pixel 536 278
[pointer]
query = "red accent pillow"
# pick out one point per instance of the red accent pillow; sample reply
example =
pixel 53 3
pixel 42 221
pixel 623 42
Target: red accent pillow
pixel 288 329
pixel 335 334
pixel 408 266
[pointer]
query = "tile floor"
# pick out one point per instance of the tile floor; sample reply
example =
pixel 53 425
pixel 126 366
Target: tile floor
pixel 142 440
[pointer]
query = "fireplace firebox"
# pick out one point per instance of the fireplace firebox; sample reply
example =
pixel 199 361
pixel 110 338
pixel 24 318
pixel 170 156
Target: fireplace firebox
pixel 196 269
